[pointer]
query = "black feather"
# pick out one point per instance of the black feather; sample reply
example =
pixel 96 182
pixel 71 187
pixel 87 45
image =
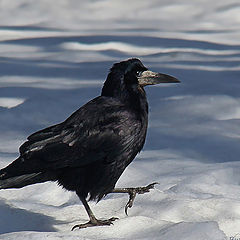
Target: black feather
pixel 89 151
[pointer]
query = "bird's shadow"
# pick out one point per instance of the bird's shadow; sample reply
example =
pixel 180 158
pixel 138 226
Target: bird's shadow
pixel 15 220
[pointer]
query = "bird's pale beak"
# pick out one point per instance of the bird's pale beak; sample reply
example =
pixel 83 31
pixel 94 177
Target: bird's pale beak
pixel 152 78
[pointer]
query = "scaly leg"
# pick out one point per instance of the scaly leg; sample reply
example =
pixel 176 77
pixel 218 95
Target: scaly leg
pixel 132 193
pixel 93 220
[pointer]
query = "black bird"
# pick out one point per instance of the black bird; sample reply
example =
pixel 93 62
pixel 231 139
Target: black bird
pixel 88 152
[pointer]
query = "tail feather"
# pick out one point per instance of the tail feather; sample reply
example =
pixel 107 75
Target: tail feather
pixel 24 180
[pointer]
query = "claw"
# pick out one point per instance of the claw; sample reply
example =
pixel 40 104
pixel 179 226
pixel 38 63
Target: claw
pixel 96 222
pixel 129 204
pixel 142 190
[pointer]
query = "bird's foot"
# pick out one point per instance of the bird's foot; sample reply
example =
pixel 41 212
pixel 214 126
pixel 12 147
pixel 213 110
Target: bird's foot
pixel 138 190
pixel 133 192
pixel 95 222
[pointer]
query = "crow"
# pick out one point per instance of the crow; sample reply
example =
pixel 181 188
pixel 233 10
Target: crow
pixel 88 152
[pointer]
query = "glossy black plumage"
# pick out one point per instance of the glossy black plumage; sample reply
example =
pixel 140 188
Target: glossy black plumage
pixel 88 152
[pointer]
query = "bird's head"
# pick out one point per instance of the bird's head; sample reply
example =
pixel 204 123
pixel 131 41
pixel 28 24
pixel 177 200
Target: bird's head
pixel 132 74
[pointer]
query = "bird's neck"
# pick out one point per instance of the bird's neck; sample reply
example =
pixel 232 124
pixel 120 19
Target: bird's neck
pixel 131 95
pixel 138 95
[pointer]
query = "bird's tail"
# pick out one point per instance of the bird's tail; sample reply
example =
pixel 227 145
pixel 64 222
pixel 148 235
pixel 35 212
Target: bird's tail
pixel 22 180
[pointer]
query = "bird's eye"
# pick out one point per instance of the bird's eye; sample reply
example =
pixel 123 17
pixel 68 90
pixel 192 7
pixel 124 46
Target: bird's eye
pixel 138 73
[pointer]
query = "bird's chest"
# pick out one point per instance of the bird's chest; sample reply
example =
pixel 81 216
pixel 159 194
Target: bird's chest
pixel 132 137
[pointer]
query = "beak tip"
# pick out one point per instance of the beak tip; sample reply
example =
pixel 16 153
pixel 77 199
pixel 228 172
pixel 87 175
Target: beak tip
pixel 171 79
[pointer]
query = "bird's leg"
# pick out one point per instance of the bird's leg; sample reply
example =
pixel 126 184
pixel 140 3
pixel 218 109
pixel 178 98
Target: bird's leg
pixel 132 193
pixel 93 220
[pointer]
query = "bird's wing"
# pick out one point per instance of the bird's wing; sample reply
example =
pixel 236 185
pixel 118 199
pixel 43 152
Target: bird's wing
pixel 100 130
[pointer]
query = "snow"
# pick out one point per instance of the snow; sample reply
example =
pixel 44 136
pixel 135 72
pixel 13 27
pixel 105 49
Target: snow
pixel 54 58
pixel 10 102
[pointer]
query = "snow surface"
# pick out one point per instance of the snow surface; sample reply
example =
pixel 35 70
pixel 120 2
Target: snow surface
pixel 55 56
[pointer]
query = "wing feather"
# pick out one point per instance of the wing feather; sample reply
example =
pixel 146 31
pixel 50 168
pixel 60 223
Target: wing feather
pixel 88 135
